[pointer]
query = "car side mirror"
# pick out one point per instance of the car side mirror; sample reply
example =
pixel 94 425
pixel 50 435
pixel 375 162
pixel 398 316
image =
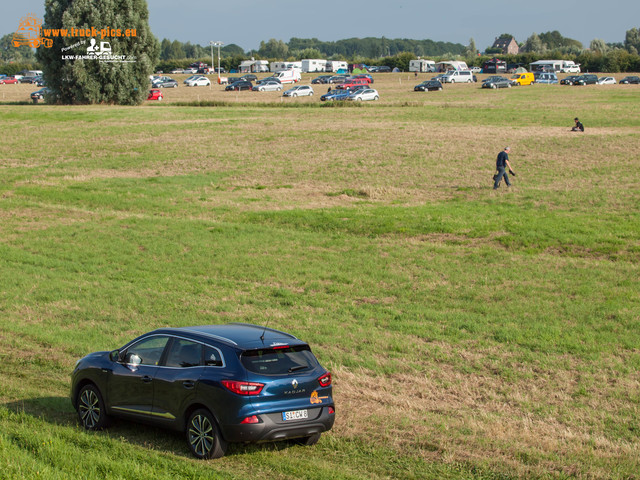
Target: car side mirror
pixel 115 356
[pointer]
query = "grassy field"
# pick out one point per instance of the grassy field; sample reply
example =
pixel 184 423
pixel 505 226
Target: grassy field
pixel 472 333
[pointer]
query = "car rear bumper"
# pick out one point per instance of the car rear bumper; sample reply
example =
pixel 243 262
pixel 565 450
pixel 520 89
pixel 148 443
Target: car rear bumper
pixel 272 427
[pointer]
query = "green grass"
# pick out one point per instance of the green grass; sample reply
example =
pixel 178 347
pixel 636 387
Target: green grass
pixel 472 334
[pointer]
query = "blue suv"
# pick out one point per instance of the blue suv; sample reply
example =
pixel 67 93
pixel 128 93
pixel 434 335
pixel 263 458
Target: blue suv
pixel 217 383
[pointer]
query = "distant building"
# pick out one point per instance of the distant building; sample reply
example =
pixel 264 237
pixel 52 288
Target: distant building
pixel 507 45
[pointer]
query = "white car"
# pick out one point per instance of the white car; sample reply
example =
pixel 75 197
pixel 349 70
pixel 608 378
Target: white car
pixel 606 81
pixel 190 70
pixel 198 81
pixel 476 69
pixel 364 94
pixel 269 86
pixel 298 91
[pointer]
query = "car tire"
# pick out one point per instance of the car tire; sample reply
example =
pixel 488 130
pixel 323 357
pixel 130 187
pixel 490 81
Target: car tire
pixel 439 89
pixel 294 94
pixel 359 99
pixel 91 410
pixel 509 85
pixel 203 436
pixel 311 94
pixel 159 98
pixel 278 89
pixel 308 441
pixel 494 86
pixel 376 97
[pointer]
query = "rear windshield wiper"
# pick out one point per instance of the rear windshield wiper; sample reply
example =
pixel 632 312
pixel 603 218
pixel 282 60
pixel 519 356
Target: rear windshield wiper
pixel 297 367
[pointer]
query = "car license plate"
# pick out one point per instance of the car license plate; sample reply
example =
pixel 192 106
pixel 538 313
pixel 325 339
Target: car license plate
pixel 295 415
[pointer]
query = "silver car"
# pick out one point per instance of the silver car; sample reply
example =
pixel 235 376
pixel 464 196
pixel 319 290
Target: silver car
pixel 364 94
pixel 269 86
pixel 298 91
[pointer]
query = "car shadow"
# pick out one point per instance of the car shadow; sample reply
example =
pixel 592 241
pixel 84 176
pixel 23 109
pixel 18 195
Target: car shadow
pixel 59 411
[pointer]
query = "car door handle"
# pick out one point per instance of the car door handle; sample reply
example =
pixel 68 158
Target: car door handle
pixel 146 379
pixel 189 384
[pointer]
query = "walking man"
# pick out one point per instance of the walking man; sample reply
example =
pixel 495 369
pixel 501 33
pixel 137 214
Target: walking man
pixel 502 163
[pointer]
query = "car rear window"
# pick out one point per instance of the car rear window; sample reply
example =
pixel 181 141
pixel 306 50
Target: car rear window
pixel 279 361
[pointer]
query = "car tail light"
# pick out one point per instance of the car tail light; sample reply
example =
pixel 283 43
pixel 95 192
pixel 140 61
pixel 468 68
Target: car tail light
pixel 325 380
pixel 331 410
pixel 251 419
pixel 243 388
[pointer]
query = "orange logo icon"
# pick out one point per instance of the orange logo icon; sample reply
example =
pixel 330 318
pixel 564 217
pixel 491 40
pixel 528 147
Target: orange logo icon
pixel 30 33
pixel 315 399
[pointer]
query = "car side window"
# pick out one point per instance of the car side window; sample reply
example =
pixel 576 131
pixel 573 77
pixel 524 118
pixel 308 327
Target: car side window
pixel 184 353
pixel 147 351
pixel 212 357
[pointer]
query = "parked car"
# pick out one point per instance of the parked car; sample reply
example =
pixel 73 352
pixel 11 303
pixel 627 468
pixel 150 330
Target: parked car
pixel 335 95
pixel 162 82
pixel 439 77
pixel 176 70
pixel 268 79
pixel 29 79
pixel 525 78
pixel 218 384
pixel 380 69
pixel 239 85
pixel 458 76
pixel 497 82
pixel 353 82
pixel 606 81
pixel 492 77
pixel 249 77
pixel 321 79
pixel 476 69
pixel 41 82
pixel 570 80
pixel 155 94
pixel 545 77
pixel 428 86
pixel 365 76
pixel 190 70
pixel 338 79
pixel 268 87
pixel 199 81
pixel 298 91
pixel 630 79
pixel 188 79
pixel 39 94
pixel 10 80
pixel 364 94
pixel 586 79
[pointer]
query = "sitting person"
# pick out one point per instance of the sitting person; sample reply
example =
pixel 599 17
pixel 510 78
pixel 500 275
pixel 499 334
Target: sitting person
pixel 579 127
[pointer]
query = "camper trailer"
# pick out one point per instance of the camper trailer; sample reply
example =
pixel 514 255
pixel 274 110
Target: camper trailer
pixel 314 65
pixel 278 66
pixel 336 66
pixel 422 66
pixel 451 65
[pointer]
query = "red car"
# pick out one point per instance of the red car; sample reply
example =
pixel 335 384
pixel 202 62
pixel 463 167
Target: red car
pixel 9 80
pixel 155 94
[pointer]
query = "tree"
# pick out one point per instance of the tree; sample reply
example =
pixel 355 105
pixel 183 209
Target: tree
pixel 632 41
pixel 9 53
pixel 534 44
pixel 599 46
pixel 273 49
pixel 121 78
pixel 471 50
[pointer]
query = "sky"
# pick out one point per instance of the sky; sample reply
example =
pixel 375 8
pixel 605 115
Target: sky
pixel 247 22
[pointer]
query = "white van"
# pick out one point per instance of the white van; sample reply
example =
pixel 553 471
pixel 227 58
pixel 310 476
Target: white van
pixel 458 76
pixel 569 66
pixel 289 76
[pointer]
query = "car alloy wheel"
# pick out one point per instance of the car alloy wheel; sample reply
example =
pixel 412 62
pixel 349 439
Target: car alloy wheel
pixel 203 436
pixel 91 408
